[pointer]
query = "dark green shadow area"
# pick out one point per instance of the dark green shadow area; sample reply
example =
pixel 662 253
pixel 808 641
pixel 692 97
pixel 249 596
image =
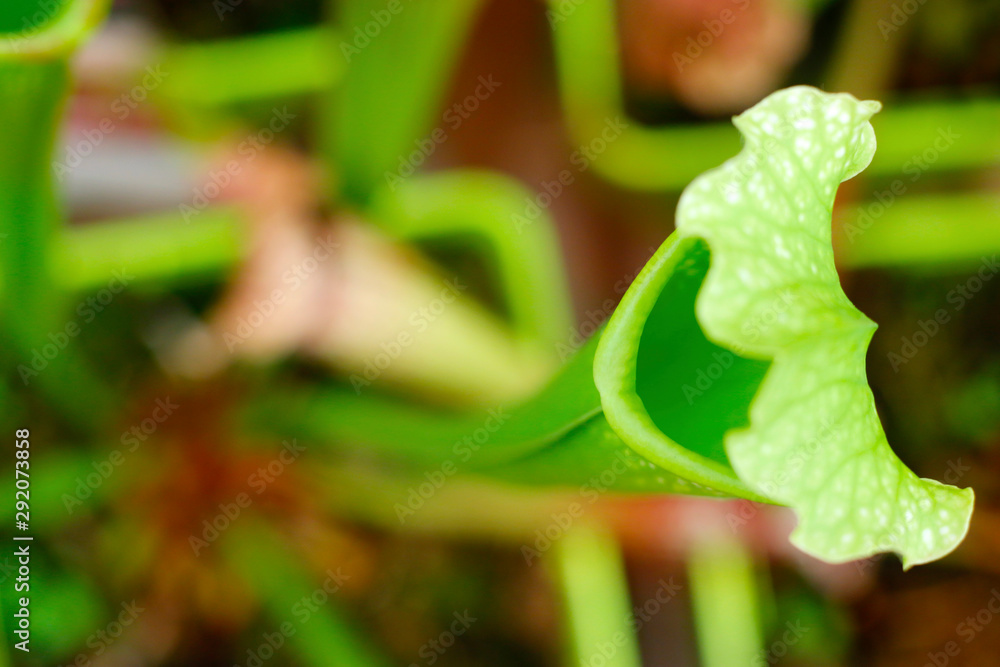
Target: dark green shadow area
pixel 27 16
pixel 693 390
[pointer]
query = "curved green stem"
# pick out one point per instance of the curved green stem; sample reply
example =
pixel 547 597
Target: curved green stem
pixel 734 365
pixel 483 205
pixel 668 158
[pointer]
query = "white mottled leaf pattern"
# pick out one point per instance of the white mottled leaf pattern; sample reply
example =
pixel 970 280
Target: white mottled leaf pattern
pixel 814 441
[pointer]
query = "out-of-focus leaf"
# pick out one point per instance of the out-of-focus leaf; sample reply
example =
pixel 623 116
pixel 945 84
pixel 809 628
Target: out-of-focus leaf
pixel 34 81
pixel 395 77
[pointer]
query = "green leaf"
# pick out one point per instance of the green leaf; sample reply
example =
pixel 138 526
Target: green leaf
pixel 772 294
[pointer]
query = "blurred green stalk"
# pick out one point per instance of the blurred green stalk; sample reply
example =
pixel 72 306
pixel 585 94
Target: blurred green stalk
pixel 724 597
pixel 481 205
pixel 921 231
pixel 381 92
pixel 302 608
pixel 595 594
pixel 162 247
pixel 398 69
pixel 668 158
pixel 34 84
pixel 208 75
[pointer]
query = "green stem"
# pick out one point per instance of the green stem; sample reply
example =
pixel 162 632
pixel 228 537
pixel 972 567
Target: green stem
pixel 724 596
pixel 34 83
pixel 863 61
pixel 484 205
pixel 596 600
pixel 922 232
pixel 559 437
pixel 324 636
pixel 236 71
pixel 392 87
pixel 588 62
pixel 158 247
pixel 668 158
pixel 29 216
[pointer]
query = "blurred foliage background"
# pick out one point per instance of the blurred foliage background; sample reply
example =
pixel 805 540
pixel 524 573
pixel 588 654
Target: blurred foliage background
pixel 359 152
